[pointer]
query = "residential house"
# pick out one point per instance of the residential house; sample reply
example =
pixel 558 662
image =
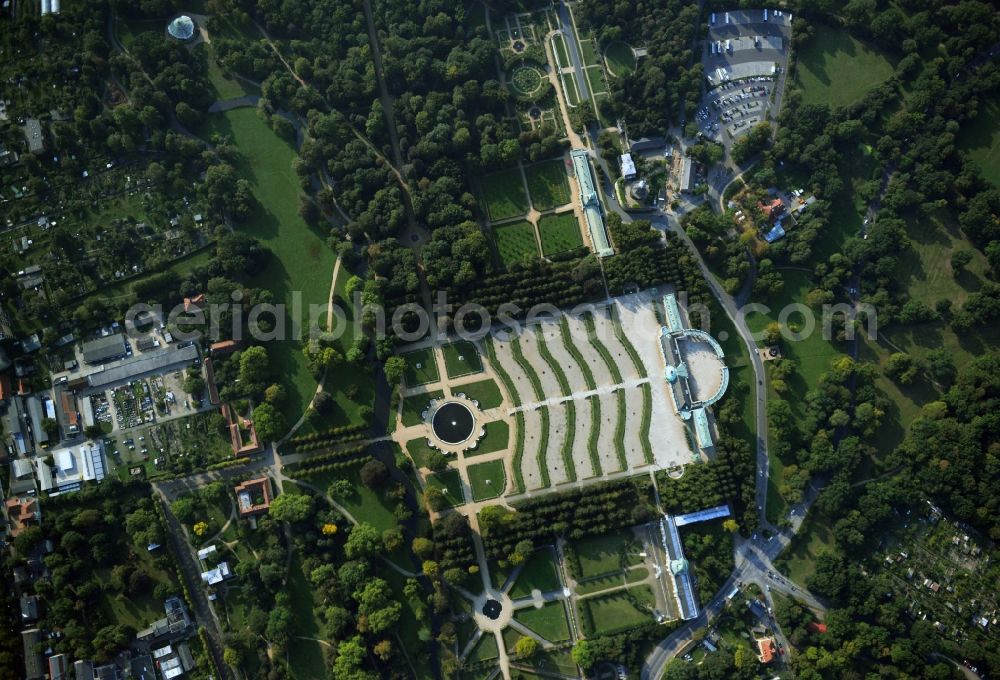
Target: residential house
pixel 773 209
pixel 766 650
pixel 627 166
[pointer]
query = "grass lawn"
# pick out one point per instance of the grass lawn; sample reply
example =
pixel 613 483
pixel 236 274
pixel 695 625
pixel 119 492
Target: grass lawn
pixel 549 621
pixel 620 59
pixel 621 578
pixel 559 233
pixel 504 194
pixel 980 138
pixel 515 242
pixel 223 86
pixel 561 54
pixel 547 184
pixel 421 367
pixel 558 662
pixel 589 52
pixel 595 79
pixel 572 92
pixel 614 612
pixel 799 560
pixel 419 451
pixel 485 392
pixel 461 358
pixel 416 404
pixel 301 261
pixel 539 573
pixel 181 266
pixel 450 484
pixel 496 438
pixel 812 356
pixel 484 650
pixel 410 625
pixel 129 30
pixel 927 265
pixel 305 657
pixel 836 69
pixel 601 554
pixel 488 480
pixel 364 504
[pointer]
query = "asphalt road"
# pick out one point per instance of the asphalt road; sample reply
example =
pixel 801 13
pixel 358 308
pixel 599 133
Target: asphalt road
pixel 204 615
pixel 566 26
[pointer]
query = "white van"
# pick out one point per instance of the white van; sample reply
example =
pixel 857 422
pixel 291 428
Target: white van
pixel 713 19
pixel 729 46
pixel 727 17
pixel 765 15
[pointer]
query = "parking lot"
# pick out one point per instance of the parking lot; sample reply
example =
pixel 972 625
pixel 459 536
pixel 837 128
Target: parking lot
pixel 735 106
pixel 745 56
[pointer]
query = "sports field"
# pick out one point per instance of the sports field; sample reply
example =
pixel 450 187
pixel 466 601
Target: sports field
pixel 515 242
pixel 547 184
pixel 300 259
pixel 504 194
pixel 559 233
pixel 980 138
pixel 835 68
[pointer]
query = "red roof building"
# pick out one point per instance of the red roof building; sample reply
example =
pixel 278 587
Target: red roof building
pixel 224 347
pixel 766 648
pixel 253 496
pixel 213 389
pixel 242 433
pixel 817 627
pixel 194 303
pixel 773 209
pixel 21 513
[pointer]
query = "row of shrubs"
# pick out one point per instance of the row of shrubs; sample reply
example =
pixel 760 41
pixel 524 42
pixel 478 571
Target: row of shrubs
pixel 313 470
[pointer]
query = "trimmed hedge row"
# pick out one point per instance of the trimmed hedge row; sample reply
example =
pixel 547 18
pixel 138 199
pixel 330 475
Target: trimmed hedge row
pixel 315 445
pixel 312 470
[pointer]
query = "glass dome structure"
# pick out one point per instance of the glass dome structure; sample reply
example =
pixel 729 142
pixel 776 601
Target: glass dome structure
pixel 181 28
